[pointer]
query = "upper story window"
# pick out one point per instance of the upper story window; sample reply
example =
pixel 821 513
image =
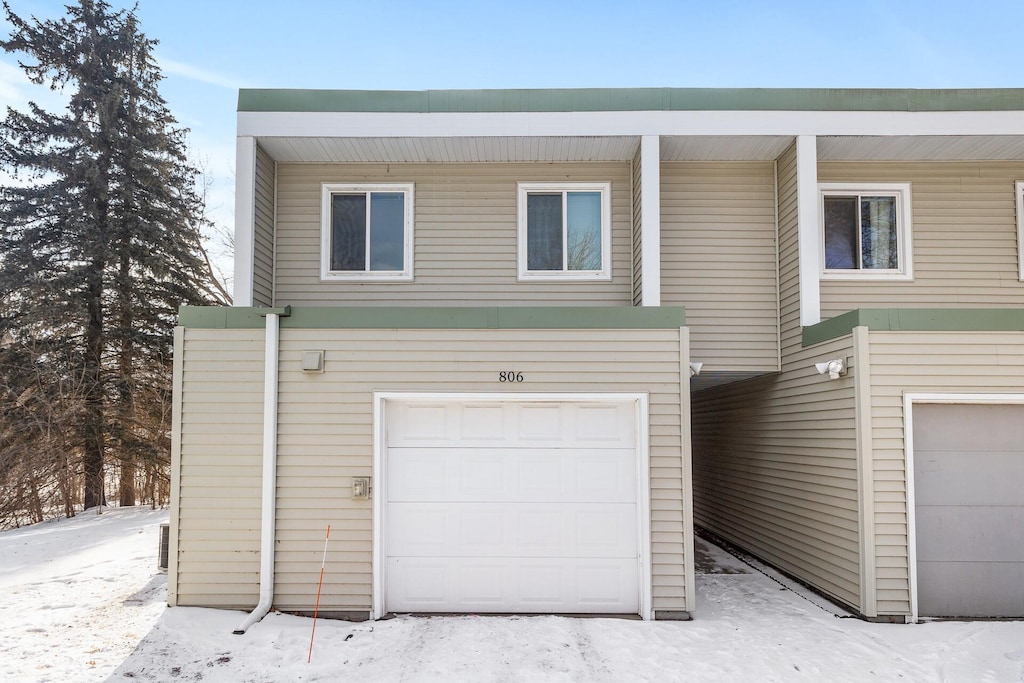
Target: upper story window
pixel 867 231
pixel 366 232
pixel 565 231
pixel 1019 192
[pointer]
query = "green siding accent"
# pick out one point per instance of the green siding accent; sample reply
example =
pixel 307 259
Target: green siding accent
pixel 630 99
pixel 918 320
pixel 664 317
pixel 222 317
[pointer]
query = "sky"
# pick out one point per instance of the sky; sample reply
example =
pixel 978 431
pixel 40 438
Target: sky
pixel 208 49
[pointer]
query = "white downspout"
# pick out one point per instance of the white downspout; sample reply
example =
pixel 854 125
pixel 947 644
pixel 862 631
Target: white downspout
pixel 269 504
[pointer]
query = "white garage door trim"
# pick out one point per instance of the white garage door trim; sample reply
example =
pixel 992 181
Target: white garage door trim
pixel 909 399
pixel 640 401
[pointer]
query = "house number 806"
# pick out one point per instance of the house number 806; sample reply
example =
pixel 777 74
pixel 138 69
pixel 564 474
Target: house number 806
pixel 510 376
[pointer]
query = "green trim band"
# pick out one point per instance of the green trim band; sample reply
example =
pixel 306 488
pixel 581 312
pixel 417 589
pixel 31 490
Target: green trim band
pixel 351 317
pixel 917 320
pixel 629 99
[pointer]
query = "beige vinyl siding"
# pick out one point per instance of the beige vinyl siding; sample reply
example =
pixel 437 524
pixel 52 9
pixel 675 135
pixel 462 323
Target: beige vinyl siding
pixel 638 279
pixel 263 243
pixel 932 362
pixel 775 458
pixel 790 331
pixel 964 236
pixel 719 260
pixel 465 250
pixel 775 470
pixel 326 421
pixel 218 505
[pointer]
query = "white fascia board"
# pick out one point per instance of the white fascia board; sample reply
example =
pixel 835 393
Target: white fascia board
pixel 650 220
pixel 245 219
pixel 526 124
pixel 808 230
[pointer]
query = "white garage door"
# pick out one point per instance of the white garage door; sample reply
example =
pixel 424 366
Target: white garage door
pixel 969 503
pixel 511 506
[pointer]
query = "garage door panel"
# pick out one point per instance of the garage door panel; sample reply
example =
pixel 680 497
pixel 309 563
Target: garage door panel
pixel 517 424
pixel 959 533
pixel 969 509
pixel 488 422
pixel 969 426
pixel 976 478
pixel 604 476
pixel 510 505
pixel 970 591
pixel 512 585
pixel 605 424
pixel 505 529
pixel 503 474
pixel 420 423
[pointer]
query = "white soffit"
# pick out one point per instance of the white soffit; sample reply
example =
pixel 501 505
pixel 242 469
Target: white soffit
pixel 449 149
pixel 921 148
pixel 708 379
pixel 724 147
pixel 624 148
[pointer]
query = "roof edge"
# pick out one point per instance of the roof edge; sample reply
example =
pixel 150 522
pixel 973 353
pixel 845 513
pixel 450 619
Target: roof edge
pixel 630 99
pixel 468 317
pixel 917 320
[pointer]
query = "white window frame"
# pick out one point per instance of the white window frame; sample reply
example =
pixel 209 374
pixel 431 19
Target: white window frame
pixel 904 243
pixel 329 189
pixel 1018 191
pixel 605 273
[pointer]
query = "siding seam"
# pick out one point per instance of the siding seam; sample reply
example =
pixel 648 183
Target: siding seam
pixel 685 447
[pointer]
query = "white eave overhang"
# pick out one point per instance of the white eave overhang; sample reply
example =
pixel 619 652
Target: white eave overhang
pixel 347 137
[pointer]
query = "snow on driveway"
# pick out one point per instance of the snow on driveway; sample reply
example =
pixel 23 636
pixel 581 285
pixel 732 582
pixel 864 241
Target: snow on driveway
pixel 79 595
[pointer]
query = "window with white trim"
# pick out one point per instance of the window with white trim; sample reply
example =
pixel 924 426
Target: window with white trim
pixel 866 231
pixel 1019 192
pixel 366 232
pixel 565 231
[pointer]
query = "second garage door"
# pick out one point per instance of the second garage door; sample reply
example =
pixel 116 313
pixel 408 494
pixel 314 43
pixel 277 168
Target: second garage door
pixel 511 506
pixel 969 504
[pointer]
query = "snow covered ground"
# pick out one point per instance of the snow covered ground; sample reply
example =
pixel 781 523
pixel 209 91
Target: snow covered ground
pixel 82 600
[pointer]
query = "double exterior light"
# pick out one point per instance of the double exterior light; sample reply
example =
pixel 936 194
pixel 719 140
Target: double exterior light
pixel 834 368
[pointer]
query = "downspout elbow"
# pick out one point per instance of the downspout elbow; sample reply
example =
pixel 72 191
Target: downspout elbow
pixel 261 610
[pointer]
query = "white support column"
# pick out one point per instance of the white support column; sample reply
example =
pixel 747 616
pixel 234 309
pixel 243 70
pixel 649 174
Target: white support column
pixel 650 220
pixel 808 229
pixel 245 218
pixel 865 471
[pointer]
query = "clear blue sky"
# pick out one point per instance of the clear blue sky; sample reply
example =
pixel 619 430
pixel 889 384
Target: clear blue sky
pixel 210 48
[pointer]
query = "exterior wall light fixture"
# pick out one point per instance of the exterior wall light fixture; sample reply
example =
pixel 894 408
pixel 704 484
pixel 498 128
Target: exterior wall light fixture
pixel 834 368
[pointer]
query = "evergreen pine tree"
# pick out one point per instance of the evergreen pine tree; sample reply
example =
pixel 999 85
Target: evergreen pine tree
pixel 100 240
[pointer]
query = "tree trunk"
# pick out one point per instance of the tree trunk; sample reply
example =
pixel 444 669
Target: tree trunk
pixel 36 505
pixel 67 488
pixel 93 431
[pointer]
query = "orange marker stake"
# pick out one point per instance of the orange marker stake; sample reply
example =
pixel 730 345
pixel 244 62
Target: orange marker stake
pixel 318 587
